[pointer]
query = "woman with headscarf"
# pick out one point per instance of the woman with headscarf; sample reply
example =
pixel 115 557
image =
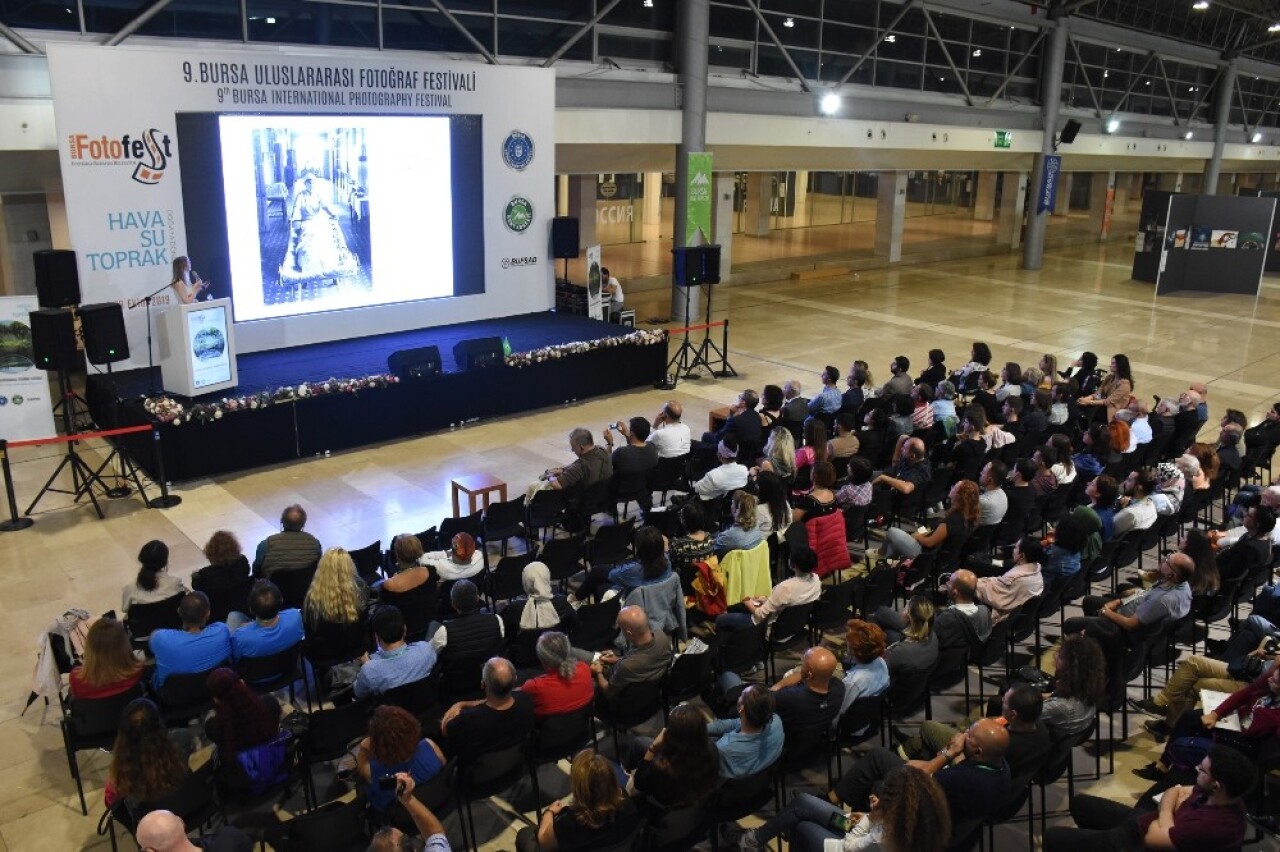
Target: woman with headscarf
pixel 525 619
pixel 1170 488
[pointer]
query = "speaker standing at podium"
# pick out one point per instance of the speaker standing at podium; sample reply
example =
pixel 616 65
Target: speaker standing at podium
pixel 611 287
pixel 186 283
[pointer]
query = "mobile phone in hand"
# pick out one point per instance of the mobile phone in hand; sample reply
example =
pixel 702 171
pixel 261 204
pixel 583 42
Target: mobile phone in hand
pixel 841 823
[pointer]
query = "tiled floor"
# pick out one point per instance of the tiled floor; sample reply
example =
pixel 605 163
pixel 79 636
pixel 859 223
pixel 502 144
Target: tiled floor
pixel 1081 299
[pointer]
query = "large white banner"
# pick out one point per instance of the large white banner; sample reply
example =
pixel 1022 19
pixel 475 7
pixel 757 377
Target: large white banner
pixel 340 204
pixel 26 408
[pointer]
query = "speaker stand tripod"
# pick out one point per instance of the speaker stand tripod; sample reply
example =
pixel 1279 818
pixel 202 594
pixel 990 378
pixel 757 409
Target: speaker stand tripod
pixel 709 351
pixel 688 358
pixel 83 477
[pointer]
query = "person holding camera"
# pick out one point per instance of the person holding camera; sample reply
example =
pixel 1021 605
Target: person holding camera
pixel 391 839
pixel 395 746
pixel 633 461
pixel 672 438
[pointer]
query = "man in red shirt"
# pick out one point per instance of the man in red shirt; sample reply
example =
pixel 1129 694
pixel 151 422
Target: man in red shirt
pixel 1208 816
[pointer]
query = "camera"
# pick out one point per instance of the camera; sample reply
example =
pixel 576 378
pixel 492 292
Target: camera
pixel 387 782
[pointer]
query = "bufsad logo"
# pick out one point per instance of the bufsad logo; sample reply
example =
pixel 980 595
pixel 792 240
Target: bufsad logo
pixel 518 214
pixel 148 153
pixel 517 150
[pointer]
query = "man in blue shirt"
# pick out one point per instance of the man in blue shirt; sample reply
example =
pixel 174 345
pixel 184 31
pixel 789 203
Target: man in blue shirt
pixel 271 630
pixel 753 741
pixel 828 400
pixel 396 662
pixel 197 647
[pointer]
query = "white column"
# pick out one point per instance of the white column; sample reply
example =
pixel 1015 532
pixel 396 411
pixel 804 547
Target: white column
pixel 984 196
pixel 722 220
pixel 891 209
pixel 582 203
pixel 1013 202
pixel 562 195
pixel 1100 211
pixel 652 206
pixel 756 214
pixel 800 214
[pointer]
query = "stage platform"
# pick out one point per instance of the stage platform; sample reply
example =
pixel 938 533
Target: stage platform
pixel 311 425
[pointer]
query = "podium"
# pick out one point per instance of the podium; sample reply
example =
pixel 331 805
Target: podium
pixel 197 348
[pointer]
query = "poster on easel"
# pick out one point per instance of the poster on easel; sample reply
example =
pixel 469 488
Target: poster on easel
pixel 595 302
pixel 26 405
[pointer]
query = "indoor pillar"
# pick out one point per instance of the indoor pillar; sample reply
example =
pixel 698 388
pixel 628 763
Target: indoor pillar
pixel 652 213
pixel 562 195
pixel 1013 202
pixel 1221 119
pixel 1102 200
pixel 1227 184
pixel 1062 204
pixel 582 203
pixel 1169 181
pixel 693 27
pixel 722 219
pixel 1051 64
pixel 756 214
pixel 891 210
pixel 800 213
pixel 984 196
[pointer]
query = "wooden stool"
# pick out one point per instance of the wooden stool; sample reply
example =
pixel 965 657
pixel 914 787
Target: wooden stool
pixel 476 486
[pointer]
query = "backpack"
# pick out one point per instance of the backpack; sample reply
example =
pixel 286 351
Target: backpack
pixel 708 588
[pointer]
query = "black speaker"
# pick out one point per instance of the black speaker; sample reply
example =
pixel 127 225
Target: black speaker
pixel 57 282
pixel 711 264
pixel 1069 131
pixel 53 340
pixel 102 325
pixel 686 266
pixel 415 363
pixel 478 352
pixel 564 237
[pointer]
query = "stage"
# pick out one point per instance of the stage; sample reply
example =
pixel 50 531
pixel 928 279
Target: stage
pixel 580 358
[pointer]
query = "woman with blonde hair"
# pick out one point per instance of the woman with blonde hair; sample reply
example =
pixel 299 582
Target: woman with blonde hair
pixel 744 533
pixel 598 816
pixel 961 520
pixel 780 455
pixel 914 645
pixel 333 610
pixel 109 666
pixel 1049 366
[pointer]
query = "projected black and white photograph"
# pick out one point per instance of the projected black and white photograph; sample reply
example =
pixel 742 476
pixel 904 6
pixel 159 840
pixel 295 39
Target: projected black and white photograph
pixel 333 212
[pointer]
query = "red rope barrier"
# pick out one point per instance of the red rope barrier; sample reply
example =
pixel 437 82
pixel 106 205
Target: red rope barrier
pixel 80 436
pixel 697 327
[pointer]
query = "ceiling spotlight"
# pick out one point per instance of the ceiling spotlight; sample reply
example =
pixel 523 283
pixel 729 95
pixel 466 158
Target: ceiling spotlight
pixel 1274 28
pixel 789 22
pixel 270 20
pixel 1188 135
pixel 1257 137
pixel 891 38
pixel 1148 83
pixel 1200 5
pixel 830 103
pixel 648 4
pixel 1113 125
pixel 1106 74
pixel 977 52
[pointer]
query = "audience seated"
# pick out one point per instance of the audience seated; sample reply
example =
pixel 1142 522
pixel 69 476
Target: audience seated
pixel 1209 814
pixel 913 644
pixel 1023 580
pixel 565 684
pixel 598 816
pixel 646 658
pixel 163 831
pixel 795 406
pixel 829 399
pixel 272 630
pixel 241 720
pixel 680 767
pixel 1113 621
pixel 993 502
pixel 395 662
pixel 866 672
pixel 540 609
pixel 696 544
pixel 225 579
pixel 753 740
pixel 900 378
pixel 779 456
pixel 503 718
pixel 146 763
pixel 845 443
pixel 109 667
pixel 669 435
pixel 725 478
pixel 334 607
pixel 801 588
pixel 153 583
pixel 198 647
pixel 743 424
pixel 395 744
pixel 1138 511
pixel 462 560
pixel 471 631
pixel 288 549
pixel 744 533
pixel 591 465
pixel 1078 687
pixel 634 460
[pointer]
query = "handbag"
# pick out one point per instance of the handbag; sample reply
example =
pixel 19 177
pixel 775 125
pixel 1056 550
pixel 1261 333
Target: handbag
pixel 266 765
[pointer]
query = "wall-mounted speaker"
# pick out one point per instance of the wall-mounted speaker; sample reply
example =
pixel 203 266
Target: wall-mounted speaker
pixel 1069 131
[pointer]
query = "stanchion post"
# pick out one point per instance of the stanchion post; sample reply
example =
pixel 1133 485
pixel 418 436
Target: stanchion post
pixel 165 500
pixel 15 522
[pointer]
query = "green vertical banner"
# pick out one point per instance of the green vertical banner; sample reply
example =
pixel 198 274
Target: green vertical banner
pixel 698 195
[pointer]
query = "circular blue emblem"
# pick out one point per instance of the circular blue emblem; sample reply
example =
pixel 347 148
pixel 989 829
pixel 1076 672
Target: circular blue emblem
pixel 517 150
pixel 4 400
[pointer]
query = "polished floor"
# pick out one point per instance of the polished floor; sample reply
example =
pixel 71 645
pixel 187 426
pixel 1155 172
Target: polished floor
pixel 1081 299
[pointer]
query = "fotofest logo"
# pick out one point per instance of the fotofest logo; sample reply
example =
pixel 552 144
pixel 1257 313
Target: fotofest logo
pixel 512 262
pixel 148 154
pixel 517 150
pixel 518 214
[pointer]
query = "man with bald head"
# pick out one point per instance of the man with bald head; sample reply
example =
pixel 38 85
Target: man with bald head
pixel 503 718
pixel 908 471
pixel 971 771
pixel 647 657
pixel 669 435
pixel 1112 621
pixel 809 696
pixel 163 831
pixel 964 621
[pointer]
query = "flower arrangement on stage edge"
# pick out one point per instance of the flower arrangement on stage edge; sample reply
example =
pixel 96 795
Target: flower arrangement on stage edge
pixel 168 410
pixel 553 353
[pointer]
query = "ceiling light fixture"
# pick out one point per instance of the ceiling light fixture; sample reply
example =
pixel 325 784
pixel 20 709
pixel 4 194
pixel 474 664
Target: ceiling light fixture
pixel 1274 28
pixel 830 103
pixel 1113 125
pixel 789 22
pixel 1188 135
pixel 648 4
pixel 891 38
pixel 977 52
pixel 1200 5
pixel 1257 137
